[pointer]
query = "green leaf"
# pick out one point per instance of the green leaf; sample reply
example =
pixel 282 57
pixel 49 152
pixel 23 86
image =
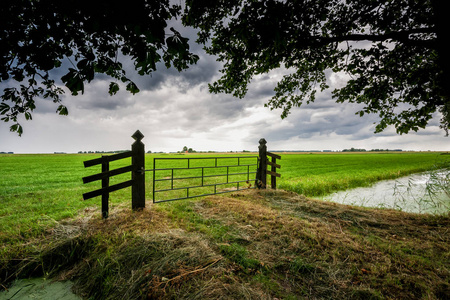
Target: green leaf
pixel 113 88
pixel 62 110
pixel 132 87
pixel 16 128
pixel 4 108
pixel 73 81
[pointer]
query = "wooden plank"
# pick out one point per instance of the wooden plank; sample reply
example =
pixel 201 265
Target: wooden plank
pixel 273 168
pixel 97 161
pixel 110 189
pixel 273 174
pixel 273 155
pixel 103 175
pixel 105 185
pixel 93 162
pixel 120 155
pixel 273 164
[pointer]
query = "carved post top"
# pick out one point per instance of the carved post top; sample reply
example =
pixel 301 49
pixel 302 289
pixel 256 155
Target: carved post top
pixel 262 143
pixel 138 136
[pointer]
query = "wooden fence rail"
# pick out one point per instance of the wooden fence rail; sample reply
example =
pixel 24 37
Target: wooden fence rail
pixel 137 181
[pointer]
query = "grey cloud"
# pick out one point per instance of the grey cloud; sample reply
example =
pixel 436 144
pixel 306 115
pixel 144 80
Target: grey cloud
pixel 311 120
pixel 96 97
pixel 202 72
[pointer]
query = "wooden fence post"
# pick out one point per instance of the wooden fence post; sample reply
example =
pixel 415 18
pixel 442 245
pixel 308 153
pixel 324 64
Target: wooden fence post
pixel 261 176
pixel 273 179
pixel 138 174
pixel 105 185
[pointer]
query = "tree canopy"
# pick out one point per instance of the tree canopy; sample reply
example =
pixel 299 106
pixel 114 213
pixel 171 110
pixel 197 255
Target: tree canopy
pixel 37 36
pixel 392 51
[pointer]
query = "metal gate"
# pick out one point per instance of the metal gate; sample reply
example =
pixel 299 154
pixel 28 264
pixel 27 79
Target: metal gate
pixel 184 178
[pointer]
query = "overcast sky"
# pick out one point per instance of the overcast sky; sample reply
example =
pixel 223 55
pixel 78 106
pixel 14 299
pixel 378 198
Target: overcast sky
pixel 175 110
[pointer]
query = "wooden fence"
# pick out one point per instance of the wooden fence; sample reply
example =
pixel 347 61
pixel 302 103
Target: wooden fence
pixel 261 175
pixel 137 169
pixel 137 181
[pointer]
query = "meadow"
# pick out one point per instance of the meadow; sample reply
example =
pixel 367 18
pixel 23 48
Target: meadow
pixel 321 174
pixel 37 190
pixel 47 229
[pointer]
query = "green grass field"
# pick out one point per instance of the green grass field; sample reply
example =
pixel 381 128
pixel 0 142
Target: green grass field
pixel 254 244
pixel 36 190
pixel 321 174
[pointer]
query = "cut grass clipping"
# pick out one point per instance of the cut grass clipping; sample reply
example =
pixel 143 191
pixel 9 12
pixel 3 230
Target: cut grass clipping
pixel 246 245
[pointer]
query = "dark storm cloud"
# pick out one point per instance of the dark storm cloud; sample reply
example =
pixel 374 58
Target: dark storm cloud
pixel 201 112
pixel 203 72
pixel 227 106
pixel 96 97
pixel 323 117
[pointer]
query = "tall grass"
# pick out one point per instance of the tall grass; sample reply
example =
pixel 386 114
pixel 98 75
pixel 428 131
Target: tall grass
pixel 433 196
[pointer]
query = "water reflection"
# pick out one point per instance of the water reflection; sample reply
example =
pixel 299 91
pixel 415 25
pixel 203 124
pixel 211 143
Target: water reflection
pixel 421 193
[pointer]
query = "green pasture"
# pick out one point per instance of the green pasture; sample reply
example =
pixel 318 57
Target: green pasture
pixel 325 173
pixel 253 244
pixel 37 190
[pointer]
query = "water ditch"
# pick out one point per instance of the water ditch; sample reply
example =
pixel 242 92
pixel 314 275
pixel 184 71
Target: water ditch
pixel 427 192
pixel 39 288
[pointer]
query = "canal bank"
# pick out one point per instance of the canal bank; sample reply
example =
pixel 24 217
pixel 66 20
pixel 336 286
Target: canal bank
pixel 427 192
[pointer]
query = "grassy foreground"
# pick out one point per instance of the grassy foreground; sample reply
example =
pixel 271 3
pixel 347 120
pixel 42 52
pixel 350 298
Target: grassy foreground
pixel 246 245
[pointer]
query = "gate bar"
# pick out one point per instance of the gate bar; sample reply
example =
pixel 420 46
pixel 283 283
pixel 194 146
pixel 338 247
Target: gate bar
pixel 194 177
pixel 200 186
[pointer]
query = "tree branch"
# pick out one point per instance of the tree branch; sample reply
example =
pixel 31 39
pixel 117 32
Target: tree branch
pixel 401 36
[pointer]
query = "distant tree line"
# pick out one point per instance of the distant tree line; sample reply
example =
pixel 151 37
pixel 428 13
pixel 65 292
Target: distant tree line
pixel 187 150
pixel 375 150
pixel 372 150
pixel 190 150
pixel 115 151
pixel 354 150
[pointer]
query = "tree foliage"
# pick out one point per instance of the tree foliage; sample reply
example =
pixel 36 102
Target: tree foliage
pixel 93 37
pixel 392 51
